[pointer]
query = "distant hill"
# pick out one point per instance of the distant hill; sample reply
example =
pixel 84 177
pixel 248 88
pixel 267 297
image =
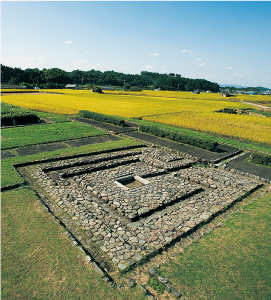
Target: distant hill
pixel 232 85
pixel 262 89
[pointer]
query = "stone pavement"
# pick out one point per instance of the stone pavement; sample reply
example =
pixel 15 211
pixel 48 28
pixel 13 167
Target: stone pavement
pixel 130 223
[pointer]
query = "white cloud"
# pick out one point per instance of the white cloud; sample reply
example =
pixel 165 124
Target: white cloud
pixel 228 68
pixel 68 42
pixel 237 75
pixel 40 59
pixel 149 67
pixel 199 59
pixel 201 65
pixel 79 62
pixel 127 68
pixel 86 52
pixel 28 62
pixel 186 51
pixel 155 54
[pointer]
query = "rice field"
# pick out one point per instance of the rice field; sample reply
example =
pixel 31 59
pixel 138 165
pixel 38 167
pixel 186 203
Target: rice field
pixel 183 109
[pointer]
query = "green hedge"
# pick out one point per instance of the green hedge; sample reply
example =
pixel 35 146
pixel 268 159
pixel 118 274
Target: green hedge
pixel 180 137
pixel 102 118
pixel 261 159
pixel 14 115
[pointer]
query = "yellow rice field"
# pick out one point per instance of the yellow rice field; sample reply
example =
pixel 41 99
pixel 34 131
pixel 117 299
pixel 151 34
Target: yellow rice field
pixel 182 109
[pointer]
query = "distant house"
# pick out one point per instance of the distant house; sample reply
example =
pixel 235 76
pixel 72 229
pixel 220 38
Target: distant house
pixel 71 86
pixel 252 93
pixel 37 88
pixel 227 94
pixel 196 92
pixel 157 90
pixel 108 88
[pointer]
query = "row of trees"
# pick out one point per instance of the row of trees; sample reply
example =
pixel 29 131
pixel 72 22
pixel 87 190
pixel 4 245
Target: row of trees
pixel 57 78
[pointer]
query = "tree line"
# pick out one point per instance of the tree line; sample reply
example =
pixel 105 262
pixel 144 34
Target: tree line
pixel 57 78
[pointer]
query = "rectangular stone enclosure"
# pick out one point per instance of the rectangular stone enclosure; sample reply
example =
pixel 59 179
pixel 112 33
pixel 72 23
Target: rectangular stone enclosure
pixel 132 203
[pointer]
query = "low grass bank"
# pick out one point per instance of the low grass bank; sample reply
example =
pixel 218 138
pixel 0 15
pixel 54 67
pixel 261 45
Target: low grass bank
pixel 52 118
pixel 10 177
pixel 219 139
pixel 39 134
pixel 233 262
pixel 40 262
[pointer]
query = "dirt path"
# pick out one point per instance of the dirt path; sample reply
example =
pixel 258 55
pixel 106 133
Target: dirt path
pixel 258 105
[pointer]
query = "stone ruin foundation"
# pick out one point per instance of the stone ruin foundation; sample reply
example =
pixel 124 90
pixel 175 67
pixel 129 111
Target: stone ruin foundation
pixel 123 206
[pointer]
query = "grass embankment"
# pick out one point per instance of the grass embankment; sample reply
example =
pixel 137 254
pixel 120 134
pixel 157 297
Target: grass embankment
pixel 40 134
pixel 10 177
pixel 233 262
pixel 52 118
pixel 222 140
pixel 39 261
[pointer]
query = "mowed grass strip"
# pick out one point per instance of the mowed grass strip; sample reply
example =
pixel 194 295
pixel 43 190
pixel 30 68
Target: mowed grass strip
pixel 233 262
pixel 40 134
pixel 10 177
pixel 40 262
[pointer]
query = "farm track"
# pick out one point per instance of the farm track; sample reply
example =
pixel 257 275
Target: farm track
pixel 257 105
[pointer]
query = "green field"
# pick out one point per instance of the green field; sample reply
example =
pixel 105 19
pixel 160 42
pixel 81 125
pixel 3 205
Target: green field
pixel 40 134
pixel 233 262
pixel 40 262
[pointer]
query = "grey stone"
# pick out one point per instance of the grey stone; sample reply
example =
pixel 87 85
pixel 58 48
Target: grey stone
pixel 97 268
pixel 142 211
pixel 138 257
pixel 131 283
pixel 153 272
pixel 122 266
pixel 162 279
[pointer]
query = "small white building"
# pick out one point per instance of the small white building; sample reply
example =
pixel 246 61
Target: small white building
pixel 71 86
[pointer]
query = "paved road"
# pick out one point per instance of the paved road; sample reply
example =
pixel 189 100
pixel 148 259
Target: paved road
pixel 200 153
pixel 59 145
pixel 241 164
pixel 109 127
pixel 6 154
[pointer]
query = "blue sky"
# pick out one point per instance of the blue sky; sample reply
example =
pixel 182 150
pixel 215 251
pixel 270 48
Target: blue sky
pixel 224 42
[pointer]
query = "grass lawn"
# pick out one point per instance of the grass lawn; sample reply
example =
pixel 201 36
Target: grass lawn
pixel 40 262
pixel 233 262
pixel 39 134
pixel 10 177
